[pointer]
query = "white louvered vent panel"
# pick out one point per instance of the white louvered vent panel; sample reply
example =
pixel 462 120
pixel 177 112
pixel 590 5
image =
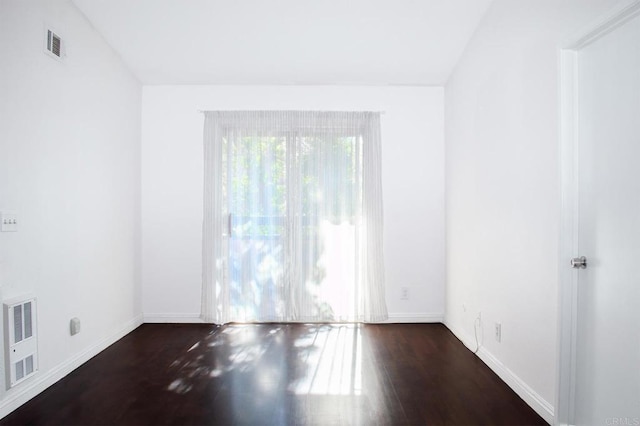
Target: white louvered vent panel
pixel 21 342
pixel 54 43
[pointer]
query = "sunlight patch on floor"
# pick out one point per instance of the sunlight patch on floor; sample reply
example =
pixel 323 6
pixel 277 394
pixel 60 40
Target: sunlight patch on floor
pixel 333 364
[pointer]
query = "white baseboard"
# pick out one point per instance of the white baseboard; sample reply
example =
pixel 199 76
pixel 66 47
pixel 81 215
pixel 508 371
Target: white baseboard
pixel 466 340
pixel 30 389
pixel 195 318
pixel 524 391
pixel 173 318
pixel 419 318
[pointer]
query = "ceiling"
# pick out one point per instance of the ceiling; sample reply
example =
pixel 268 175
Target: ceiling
pixel 315 42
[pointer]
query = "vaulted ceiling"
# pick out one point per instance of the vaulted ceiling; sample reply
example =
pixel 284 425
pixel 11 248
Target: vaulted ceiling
pixel 359 42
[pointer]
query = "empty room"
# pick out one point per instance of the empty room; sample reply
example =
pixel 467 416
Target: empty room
pixel 292 212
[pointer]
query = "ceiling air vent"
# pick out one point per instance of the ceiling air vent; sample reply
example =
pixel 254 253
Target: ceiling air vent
pixel 54 43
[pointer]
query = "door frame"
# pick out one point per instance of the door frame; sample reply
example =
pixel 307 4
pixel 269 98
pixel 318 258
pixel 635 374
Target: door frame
pixel 568 245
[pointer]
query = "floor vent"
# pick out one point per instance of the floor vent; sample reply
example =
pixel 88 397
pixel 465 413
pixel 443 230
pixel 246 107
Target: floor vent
pixel 20 340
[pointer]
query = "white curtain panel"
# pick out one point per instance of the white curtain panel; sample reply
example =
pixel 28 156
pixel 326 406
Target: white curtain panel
pixel 292 217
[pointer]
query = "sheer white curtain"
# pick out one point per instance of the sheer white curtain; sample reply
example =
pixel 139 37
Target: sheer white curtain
pixel 292 217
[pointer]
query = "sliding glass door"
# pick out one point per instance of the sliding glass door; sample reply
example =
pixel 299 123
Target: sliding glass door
pixel 292 217
pixel 294 206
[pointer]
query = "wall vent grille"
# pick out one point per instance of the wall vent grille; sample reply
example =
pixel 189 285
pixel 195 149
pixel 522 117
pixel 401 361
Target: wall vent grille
pixel 54 44
pixel 20 340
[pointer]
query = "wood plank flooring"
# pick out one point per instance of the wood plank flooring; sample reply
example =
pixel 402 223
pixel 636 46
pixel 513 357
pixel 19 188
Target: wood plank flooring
pixel 281 374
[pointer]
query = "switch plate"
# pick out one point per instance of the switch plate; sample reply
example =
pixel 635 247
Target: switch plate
pixel 74 326
pixel 8 221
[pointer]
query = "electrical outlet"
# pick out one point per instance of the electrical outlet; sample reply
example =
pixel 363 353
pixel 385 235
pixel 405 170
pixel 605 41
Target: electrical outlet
pixel 404 293
pixel 480 316
pixel 498 332
pixel 74 326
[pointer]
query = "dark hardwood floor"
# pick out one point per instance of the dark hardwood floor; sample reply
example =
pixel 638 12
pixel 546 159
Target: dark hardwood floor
pixel 281 374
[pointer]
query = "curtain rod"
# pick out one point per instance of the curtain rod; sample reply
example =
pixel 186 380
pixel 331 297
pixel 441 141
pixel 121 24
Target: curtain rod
pixel 379 112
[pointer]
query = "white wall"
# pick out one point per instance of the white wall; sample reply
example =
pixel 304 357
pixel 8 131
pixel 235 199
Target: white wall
pixel 502 188
pixel 69 165
pixel 172 177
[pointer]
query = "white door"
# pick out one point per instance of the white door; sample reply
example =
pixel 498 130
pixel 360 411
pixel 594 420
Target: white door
pixel 607 360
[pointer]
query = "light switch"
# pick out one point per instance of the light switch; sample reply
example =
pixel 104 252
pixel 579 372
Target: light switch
pixel 8 221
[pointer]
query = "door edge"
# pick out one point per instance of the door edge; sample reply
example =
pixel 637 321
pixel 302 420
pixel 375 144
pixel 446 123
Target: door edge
pixel 564 411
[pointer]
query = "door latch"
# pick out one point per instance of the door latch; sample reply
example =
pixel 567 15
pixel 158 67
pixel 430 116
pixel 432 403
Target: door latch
pixel 579 262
